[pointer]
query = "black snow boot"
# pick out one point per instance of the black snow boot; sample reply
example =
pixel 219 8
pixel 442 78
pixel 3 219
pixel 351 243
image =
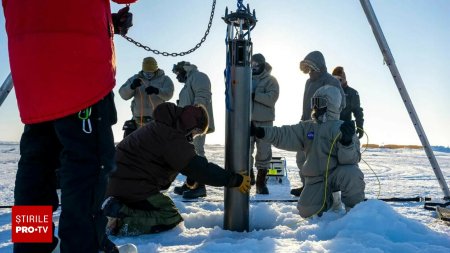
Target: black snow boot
pixel 179 190
pixel 198 192
pixel 297 191
pixel 261 187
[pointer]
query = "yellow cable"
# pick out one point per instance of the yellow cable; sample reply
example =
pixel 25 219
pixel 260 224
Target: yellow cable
pixel 326 175
pixel 328 167
pixel 379 184
pixel 367 138
pixel 367 146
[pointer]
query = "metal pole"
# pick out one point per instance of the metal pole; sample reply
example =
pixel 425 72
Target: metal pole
pixel 6 88
pixel 389 59
pixel 237 129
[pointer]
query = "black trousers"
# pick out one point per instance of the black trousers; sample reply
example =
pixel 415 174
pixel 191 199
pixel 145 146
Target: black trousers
pixel 83 153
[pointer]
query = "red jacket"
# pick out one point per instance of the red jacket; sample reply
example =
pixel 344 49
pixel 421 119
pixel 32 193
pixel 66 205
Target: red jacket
pixel 61 55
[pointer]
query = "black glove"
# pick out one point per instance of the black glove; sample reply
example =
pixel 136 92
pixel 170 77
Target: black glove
pixel 347 130
pixel 258 132
pixel 122 21
pixel 360 132
pixel 136 83
pixel 152 90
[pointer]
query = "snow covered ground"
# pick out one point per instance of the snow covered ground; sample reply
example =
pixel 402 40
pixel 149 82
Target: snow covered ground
pixel 372 226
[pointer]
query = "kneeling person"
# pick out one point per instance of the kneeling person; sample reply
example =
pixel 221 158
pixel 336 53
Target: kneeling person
pixel 332 153
pixel 149 161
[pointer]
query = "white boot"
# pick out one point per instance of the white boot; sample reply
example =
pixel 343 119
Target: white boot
pixel 337 204
pixel 128 248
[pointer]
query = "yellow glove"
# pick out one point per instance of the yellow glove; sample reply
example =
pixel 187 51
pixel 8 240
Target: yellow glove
pixel 244 187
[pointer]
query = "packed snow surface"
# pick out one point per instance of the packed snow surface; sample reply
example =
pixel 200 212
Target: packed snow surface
pixel 276 226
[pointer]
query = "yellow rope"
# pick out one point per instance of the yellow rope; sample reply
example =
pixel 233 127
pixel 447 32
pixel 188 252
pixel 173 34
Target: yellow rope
pixel 326 175
pixel 367 146
pixel 367 138
pixel 328 167
pixel 379 184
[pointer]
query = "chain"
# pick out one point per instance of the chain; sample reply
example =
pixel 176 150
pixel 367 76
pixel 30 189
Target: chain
pixel 138 44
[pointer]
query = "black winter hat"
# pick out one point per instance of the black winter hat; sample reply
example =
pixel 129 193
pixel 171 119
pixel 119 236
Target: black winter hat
pixel 194 116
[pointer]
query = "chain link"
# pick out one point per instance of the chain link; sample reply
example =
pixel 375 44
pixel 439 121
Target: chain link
pixel 138 44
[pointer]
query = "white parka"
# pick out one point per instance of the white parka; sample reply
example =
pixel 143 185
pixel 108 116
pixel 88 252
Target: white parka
pixel 266 95
pixel 197 90
pixel 143 104
pixel 319 139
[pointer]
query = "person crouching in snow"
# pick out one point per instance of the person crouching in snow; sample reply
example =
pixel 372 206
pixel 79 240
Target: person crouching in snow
pixel 149 160
pixel 332 153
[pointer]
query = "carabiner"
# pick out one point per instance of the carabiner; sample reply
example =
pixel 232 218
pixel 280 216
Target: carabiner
pixel 84 116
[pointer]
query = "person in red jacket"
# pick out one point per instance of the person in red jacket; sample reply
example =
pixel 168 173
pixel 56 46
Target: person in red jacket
pixel 63 66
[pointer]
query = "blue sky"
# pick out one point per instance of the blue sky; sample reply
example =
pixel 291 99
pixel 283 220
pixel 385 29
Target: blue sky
pixel 417 32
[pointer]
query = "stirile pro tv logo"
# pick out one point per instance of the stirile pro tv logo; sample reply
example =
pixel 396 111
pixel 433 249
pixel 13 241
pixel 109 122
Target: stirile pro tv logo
pixel 32 224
